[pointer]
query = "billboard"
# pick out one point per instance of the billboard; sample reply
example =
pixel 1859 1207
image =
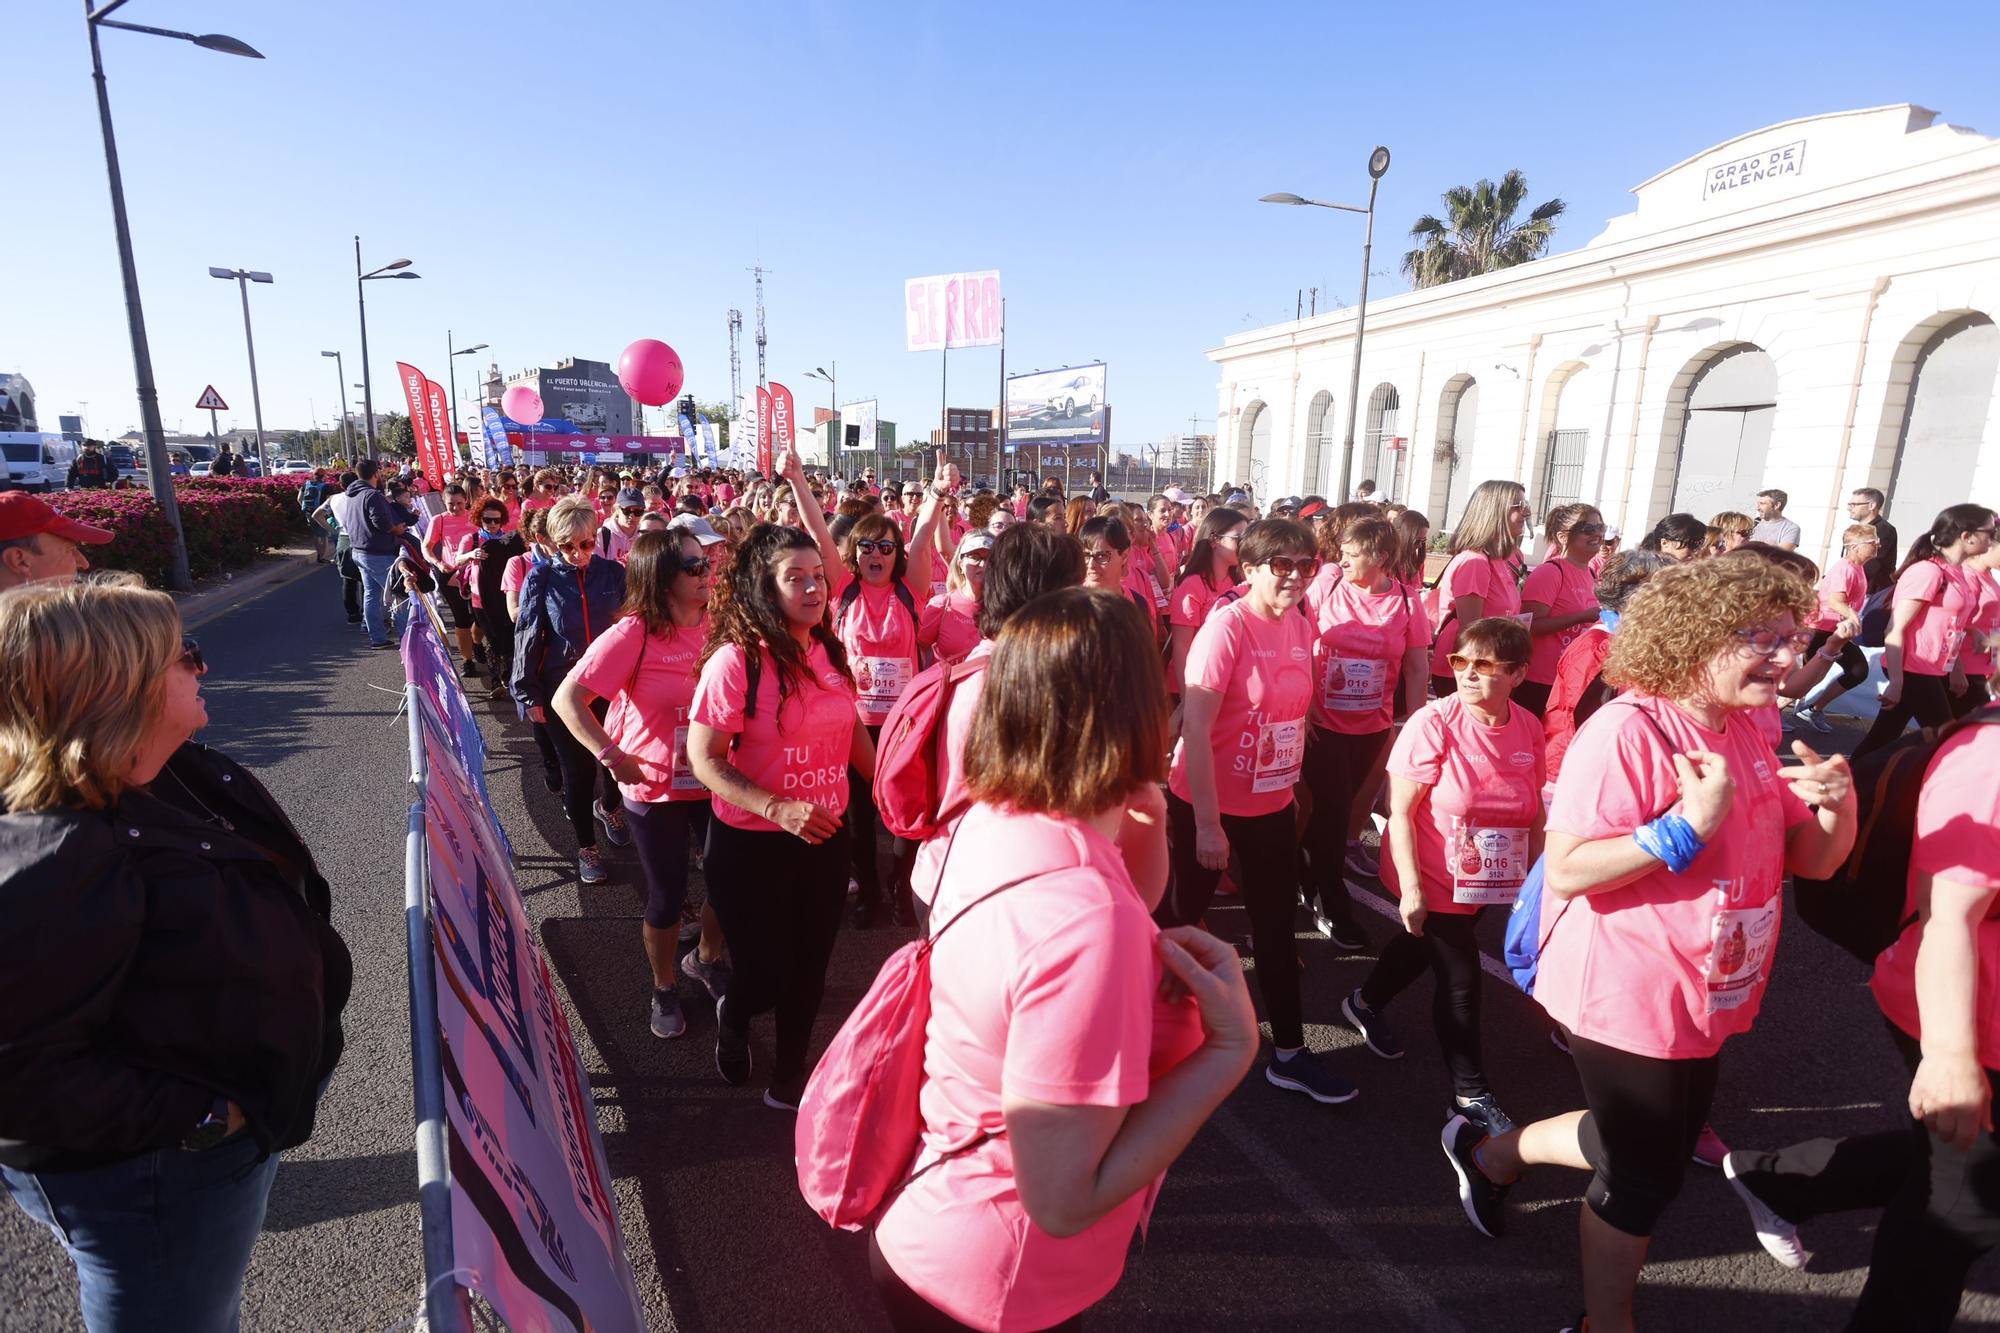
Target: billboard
pixel 1058 407
pixel 952 310
pixel 586 393
pixel 863 416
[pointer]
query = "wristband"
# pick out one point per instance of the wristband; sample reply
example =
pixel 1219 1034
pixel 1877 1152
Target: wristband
pixel 610 747
pixel 1671 839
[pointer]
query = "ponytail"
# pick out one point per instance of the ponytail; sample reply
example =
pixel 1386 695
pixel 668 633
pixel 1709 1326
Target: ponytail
pixel 1951 523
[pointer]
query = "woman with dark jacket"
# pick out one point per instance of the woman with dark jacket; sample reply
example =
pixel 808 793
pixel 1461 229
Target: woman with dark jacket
pixel 564 605
pixel 170 1010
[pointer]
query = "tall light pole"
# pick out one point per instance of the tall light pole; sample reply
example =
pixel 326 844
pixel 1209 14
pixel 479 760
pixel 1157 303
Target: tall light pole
pixel 451 370
pixel 244 277
pixel 837 438
pixel 157 466
pixel 388 270
pixel 340 374
pixel 1378 165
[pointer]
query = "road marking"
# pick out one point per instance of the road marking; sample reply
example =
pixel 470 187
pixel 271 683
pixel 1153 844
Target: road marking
pixel 1494 967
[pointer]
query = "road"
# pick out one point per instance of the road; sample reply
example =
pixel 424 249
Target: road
pixel 1281 1215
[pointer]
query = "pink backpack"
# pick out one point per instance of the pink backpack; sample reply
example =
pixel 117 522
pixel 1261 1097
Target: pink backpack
pixel 910 759
pixel 860 1122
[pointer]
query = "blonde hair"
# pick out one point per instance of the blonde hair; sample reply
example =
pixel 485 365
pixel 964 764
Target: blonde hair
pixel 1684 615
pixel 571 518
pixel 1729 520
pixel 1483 527
pixel 1857 533
pixel 83 667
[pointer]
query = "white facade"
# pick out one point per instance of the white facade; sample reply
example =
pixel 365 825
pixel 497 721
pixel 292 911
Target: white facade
pixel 1809 307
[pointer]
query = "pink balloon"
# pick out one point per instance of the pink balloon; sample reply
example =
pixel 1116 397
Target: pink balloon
pixel 651 372
pixel 522 404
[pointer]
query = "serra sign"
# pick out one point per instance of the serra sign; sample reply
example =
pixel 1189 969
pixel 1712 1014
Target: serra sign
pixel 952 310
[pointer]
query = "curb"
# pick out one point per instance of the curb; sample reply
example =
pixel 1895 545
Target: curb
pixel 245 586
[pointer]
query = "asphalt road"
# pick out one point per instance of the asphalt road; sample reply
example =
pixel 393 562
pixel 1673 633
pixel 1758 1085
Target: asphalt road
pixel 1281 1215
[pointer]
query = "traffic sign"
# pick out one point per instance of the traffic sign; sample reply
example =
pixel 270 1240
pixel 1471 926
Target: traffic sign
pixel 210 401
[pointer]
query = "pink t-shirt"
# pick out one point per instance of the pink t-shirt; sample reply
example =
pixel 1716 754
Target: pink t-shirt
pixel 881 641
pixel 1139 587
pixel 537 501
pixel 455 554
pixel 949 625
pixel 1847 579
pixel 796 750
pixel 1471 574
pixel 1976 656
pixel 1358 653
pixel 957 730
pixel 447 531
pixel 649 679
pixel 1474 825
pixel 1669 966
pixel 516 573
pixel 1958 837
pixel 1263 671
pixel 1190 600
pixel 1321 587
pixel 1565 589
pixel 1049 993
pixel 1932 641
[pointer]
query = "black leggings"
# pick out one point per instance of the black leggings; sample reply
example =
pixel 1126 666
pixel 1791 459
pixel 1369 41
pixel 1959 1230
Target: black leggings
pixel 778 898
pixel 499 631
pixel 1533 695
pixel 1337 766
pixel 662 832
pixel 911 1313
pixel 1942 1208
pixel 1645 1116
pixel 584 779
pixel 1853 662
pixel 1925 698
pixel 862 818
pixel 1448 948
pixel 1266 847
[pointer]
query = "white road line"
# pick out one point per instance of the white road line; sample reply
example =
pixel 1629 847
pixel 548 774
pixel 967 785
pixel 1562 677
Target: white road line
pixel 1369 898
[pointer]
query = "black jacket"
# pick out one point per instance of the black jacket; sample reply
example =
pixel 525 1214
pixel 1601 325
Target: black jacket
pixel 157 960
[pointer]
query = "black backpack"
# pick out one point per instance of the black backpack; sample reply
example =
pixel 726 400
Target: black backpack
pixel 1860 906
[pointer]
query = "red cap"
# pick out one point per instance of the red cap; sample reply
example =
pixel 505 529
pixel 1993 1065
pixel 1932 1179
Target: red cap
pixel 26 515
pixel 1312 508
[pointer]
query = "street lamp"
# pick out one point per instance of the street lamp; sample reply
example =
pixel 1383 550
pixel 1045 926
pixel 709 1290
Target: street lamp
pixel 244 278
pixel 1378 165
pixel 836 435
pixel 340 374
pixel 451 370
pixel 142 354
pixel 388 270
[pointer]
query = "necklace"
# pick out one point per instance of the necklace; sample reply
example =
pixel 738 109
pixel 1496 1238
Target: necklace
pixel 213 818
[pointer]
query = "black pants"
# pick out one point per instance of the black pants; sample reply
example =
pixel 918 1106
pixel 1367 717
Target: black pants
pixel 862 819
pixel 1925 698
pixel 584 779
pixel 1853 662
pixel 1533 695
pixel 1337 767
pixel 546 744
pixel 662 832
pixel 1265 846
pixel 499 631
pixel 911 1313
pixel 1645 1116
pixel 1977 695
pixel 1443 687
pixel 1448 948
pixel 1942 1208
pixel 778 898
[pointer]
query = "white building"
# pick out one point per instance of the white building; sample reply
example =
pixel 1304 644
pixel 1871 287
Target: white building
pixel 1808 307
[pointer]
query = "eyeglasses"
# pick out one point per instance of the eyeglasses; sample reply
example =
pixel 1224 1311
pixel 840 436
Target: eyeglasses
pixel 1483 666
pixel 1285 566
pixel 1100 556
pixel 191 657
pixel 1766 642
pixel 1229 539
pixel 975 557
pixel 886 546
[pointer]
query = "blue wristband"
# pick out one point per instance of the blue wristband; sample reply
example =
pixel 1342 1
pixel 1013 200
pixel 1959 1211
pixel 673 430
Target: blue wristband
pixel 1671 839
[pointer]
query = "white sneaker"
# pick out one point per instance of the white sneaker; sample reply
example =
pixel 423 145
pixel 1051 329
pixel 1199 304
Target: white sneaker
pixel 1779 1238
pixel 1812 719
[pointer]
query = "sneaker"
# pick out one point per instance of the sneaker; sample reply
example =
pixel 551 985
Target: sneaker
pixel 1779 1238
pixel 667 1019
pixel 1374 1028
pixel 732 1053
pixel 785 1094
pixel 1304 1073
pixel 1345 936
pixel 552 777
pixel 1709 1149
pixel 468 669
pixel 713 977
pixel 1363 860
pixel 1558 1040
pixel 1484 1112
pixel 864 911
pixel 1484 1202
pixel 1812 719
pixel 590 866
pixel 1582 1325
pixel 613 823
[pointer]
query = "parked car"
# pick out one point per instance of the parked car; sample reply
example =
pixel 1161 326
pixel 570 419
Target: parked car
pixel 296 468
pixel 199 469
pixel 122 456
pixel 37 461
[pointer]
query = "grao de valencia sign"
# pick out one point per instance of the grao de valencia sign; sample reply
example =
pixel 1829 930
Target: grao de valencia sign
pixel 1757 169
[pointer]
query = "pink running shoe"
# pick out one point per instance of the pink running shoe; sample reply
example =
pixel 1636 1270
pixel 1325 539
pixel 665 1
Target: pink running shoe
pixel 1709 1149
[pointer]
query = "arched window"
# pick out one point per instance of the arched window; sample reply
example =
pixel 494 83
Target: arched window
pixel 1730 405
pixel 1383 407
pixel 1451 456
pixel 1951 396
pixel 1319 425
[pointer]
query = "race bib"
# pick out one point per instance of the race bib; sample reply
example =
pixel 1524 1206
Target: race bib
pixel 880 681
pixel 684 778
pixel 1353 684
pixel 1738 951
pixel 1527 619
pixel 1488 865
pixel 1281 749
pixel 937 587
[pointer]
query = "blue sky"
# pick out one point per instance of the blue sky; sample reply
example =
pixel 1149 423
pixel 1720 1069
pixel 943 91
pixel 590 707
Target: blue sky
pixel 570 177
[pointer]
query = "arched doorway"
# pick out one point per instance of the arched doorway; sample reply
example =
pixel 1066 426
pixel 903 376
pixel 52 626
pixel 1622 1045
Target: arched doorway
pixel 1451 457
pixel 1253 450
pixel 1319 425
pixel 1566 413
pixel 1384 406
pixel 1951 396
pixel 1729 405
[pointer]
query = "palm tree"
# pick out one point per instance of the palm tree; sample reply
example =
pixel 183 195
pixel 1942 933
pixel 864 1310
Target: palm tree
pixel 1481 236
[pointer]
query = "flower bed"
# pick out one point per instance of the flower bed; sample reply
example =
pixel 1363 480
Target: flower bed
pixel 226 523
pixel 281 493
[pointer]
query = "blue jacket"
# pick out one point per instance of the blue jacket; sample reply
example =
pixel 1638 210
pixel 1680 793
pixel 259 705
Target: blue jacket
pixel 562 610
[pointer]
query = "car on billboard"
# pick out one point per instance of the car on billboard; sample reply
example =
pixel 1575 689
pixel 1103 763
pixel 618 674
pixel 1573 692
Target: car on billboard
pixel 1077 390
pixel 589 416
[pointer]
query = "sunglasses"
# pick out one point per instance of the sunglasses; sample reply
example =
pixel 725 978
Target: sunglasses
pixel 886 546
pixel 1285 566
pixel 1766 642
pixel 697 567
pixel 587 545
pixel 550 487
pixel 631 513
pixel 493 520
pixel 1484 666
pixel 191 657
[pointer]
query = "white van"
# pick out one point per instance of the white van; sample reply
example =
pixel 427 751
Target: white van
pixel 36 460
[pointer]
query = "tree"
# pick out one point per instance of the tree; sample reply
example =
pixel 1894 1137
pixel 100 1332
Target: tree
pixel 1478 233
pixel 721 414
pixel 393 436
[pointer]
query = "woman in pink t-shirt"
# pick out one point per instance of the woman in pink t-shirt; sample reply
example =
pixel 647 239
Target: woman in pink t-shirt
pixel 1933 606
pixel 1107 564
pixel 1484 576
pixel 1560 594
pixel 1243 741
pixel 1668 844
pixel 948 627
pixel 1465 823
pixel 1066 1068
pixel 1977 658
pixel 1210 570
pixel 773 735
pixel 1841 591
pixel 627 699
